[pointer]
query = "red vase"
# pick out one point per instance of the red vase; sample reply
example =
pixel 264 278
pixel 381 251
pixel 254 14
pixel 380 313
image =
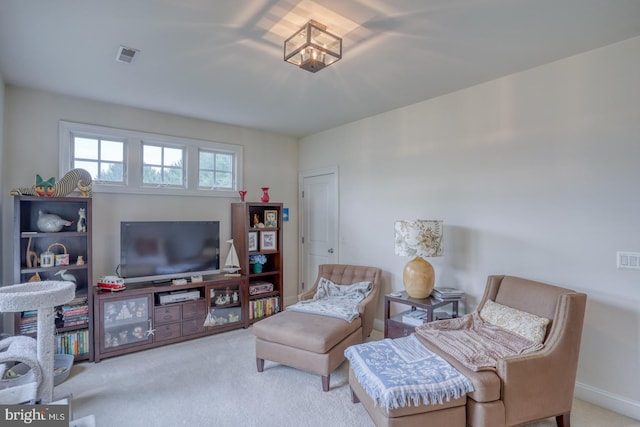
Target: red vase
pixel 265 194
pixel 242 194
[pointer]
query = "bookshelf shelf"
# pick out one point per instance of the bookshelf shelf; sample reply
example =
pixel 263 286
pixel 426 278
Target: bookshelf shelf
pixel 250 238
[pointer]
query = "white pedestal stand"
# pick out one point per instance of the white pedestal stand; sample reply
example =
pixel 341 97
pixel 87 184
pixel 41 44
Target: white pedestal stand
pixel 41 296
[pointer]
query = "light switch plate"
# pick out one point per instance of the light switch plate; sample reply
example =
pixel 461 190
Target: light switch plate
pixel 628 260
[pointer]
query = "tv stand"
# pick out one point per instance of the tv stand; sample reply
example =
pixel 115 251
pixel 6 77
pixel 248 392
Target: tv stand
pixel 135 319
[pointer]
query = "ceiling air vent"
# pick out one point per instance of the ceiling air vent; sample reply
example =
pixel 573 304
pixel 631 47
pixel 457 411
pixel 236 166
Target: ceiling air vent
pixel 126 54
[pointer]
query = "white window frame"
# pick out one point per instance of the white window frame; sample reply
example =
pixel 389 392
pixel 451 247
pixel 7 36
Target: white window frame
pixel 133 141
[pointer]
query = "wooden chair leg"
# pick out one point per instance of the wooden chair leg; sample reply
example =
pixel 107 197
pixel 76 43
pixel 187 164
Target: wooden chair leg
pixel 260 364
pixel 325 382
pixel 564 420
pixel 354 398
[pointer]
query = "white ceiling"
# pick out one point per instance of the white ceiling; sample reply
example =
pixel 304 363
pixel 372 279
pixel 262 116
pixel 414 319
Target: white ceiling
pixel 222 60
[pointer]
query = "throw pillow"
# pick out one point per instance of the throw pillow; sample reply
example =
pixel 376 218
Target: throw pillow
pixel 519 322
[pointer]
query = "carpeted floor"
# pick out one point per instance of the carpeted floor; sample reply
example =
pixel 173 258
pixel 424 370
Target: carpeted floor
pixel 213 381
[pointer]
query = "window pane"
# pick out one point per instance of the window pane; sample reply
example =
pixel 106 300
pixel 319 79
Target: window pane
pixel 112 151
pixel 223 179
pixel 85 148
pixel 111 172
pixel 151 175
pixel 172 176
pixel 224 162
pixel 206 160
pixel 205 179
pixel 91 167
pixel 172 156
pixel 152 155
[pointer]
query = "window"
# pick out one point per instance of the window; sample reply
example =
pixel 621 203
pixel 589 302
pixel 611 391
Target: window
pixel 127 161
pixel 215 169
pixel 103 159
pixel 162 165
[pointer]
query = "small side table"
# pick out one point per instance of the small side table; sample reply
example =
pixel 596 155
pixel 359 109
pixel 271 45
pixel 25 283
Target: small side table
pixel 393 325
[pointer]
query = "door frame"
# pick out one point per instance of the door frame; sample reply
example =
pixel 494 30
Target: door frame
pixel 302 219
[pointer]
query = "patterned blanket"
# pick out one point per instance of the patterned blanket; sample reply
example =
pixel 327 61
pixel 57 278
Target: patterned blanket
pixel 334 300
pixel 476 344
pixel 401 372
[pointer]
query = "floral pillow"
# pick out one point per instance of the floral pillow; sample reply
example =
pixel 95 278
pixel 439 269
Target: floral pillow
pixel 519 322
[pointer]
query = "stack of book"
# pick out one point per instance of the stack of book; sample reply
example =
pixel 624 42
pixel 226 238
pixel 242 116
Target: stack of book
pixel 447 293
pixel 75 313
pixel 414 317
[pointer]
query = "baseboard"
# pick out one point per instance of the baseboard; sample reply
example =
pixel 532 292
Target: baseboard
pixel 378 325
pixel 613 402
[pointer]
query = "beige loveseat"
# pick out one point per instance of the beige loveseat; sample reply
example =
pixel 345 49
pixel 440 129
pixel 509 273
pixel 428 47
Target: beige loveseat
pixel 316 343
pixel 522 388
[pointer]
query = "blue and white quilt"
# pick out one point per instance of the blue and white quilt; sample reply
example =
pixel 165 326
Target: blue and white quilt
pixel 335 300
pixel 402 372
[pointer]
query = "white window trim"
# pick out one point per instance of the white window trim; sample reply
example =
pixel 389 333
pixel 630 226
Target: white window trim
pixel 133 160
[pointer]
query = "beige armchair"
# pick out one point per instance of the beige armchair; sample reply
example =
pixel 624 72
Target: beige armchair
pixel 523 388
pixel 313 342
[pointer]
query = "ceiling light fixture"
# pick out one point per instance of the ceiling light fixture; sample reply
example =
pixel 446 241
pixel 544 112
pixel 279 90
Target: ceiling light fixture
pixel 312 47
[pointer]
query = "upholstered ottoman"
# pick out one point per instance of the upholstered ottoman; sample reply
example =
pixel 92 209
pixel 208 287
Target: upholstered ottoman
pixel 400 382
pixel 309 342
pixel 450 413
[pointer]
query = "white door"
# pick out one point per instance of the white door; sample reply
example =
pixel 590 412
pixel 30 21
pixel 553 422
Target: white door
pixel 319 223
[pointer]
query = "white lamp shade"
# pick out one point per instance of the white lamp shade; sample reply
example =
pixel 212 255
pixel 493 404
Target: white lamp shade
pixel 418 238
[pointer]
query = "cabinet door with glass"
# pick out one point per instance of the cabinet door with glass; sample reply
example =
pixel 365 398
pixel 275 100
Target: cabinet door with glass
pixel 125 322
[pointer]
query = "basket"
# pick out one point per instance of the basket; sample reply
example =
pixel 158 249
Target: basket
pixel 62 364
pixel 61 369
pixel 60 259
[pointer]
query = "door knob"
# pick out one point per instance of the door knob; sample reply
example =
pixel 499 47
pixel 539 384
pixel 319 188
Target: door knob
pixel 330 250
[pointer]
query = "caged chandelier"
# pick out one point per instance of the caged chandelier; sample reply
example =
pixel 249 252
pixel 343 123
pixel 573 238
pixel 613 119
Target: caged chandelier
pixel 312 47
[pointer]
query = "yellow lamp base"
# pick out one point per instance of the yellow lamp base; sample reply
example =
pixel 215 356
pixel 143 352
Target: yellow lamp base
pixel 418 278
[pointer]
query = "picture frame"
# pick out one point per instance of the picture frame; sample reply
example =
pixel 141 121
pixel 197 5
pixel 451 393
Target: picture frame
pixel 253 241
pixel 271 218
pixel 268 241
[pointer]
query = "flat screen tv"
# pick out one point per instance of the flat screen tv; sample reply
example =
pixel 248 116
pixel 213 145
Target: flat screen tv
pixel 158 251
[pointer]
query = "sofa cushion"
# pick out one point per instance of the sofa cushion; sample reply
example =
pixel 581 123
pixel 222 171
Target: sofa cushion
pixel 527 325
pixel 311 332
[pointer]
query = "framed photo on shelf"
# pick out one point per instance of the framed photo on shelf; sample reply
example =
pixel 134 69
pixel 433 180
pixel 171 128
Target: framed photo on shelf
pixel 268 241
pixel 270 218
pixel 253 241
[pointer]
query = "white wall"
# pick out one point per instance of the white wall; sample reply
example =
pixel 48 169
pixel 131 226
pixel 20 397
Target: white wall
pixel 535 174
pixel 31 147
pixel 2 215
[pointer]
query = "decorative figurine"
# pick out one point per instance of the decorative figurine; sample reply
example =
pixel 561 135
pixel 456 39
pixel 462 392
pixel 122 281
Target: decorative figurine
pixel 31 256
pixel 75 178
pixel 44 188
pixel 80 260
pixel 82 220
pixel 50 223
pixel 65 276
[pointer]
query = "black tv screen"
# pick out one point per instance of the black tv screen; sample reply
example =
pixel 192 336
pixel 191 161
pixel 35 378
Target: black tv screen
pixel 158 251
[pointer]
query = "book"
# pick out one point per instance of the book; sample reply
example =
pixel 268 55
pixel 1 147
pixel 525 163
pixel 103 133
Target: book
pixel 414 317
pixel 447 293
pixel 441 315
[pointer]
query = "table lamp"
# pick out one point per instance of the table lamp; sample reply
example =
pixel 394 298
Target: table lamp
pixel 419 238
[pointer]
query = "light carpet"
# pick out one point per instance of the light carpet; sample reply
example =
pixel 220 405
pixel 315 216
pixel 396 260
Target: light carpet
pixel 213 381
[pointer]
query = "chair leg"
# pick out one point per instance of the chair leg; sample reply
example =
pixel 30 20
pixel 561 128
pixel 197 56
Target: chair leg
pixel 260 364
pixel 354 398
pixel 564 420
pixel 325 382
